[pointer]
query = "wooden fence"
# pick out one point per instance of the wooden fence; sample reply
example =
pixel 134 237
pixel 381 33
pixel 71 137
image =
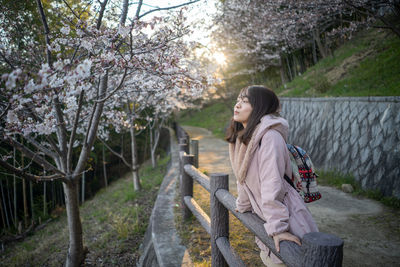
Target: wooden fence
pixel 318 249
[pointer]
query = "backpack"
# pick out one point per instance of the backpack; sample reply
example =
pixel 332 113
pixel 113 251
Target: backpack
pixel 303 179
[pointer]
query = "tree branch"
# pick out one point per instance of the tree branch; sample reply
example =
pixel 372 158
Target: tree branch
pixel 139 7
pixel 92 129
pixel 73 131
pixel 29 176
pixel 101 13
pixel 61 131
pixel 124 12
pixel 121 156
pixel 46 31
pixel 41 148
pixel 167 8
pixel 5 111
pixel 32 155
pixel 115 90
pixel 7 61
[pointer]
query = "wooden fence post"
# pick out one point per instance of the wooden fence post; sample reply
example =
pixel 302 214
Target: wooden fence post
pixel 183 145
pixel 195 151
pixel 186 185
pixel 219 218
pixel 322 249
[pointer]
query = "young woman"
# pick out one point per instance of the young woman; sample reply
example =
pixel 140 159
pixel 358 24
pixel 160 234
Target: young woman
pixel 259 157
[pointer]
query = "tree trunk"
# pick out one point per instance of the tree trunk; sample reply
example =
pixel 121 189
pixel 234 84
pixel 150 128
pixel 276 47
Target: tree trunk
pixel 152 151
pixel 294 65
pixel 25 204
pixel 75 249
pixel 83 187
pixel 15 198
pixel 104 168
pixel 282 71
pixel 321 47
pixel 2 212
pixel 9 203
pixel 135 165
pixel 303 67
pixel 289 69
pixel 145 147
pixel 314 52
pixel 53 194
pixel 4 203
pixel 122 153
pixel 44 199
pixel 32 206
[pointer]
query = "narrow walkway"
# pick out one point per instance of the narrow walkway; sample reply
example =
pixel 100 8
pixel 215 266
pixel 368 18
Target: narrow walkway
pixel 371 232
pixel 162 245
pixel 213 154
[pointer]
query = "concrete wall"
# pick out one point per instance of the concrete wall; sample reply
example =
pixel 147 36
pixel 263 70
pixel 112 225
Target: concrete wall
pixel 358 135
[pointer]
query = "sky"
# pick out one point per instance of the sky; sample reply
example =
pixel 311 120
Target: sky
pixel 198 12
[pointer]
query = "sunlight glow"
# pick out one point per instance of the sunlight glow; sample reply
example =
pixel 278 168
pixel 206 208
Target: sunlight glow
pixel 220 58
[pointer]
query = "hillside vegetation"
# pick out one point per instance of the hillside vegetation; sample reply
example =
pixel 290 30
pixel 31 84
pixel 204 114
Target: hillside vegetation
pixel 114 223
pixel 367 65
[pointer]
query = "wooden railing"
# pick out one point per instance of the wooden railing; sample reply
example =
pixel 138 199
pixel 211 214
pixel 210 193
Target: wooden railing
pixel 317 249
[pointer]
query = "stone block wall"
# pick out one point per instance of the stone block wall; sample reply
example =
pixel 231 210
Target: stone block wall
pixel 357 135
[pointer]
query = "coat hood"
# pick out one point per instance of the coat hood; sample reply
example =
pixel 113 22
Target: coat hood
pixel 268 122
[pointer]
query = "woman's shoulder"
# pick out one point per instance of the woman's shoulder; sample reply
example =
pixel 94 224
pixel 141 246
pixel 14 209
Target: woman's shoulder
pixel 272 136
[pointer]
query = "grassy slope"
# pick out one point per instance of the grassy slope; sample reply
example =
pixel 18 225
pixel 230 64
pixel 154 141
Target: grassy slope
pixel 213 117
pixel 367 65
pixel 114 223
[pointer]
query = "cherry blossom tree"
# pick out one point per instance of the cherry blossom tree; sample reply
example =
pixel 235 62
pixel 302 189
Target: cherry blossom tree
pixel 268 33
pixel 147 101
pixel 56 102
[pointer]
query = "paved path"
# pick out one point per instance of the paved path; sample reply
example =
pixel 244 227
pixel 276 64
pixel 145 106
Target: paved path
pixel 370 231
pixel 213 154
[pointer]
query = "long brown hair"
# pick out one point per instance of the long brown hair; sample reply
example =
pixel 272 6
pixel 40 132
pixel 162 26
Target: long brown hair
pixel 263 101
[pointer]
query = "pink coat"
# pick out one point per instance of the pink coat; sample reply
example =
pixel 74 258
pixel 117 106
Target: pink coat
pixel 265 191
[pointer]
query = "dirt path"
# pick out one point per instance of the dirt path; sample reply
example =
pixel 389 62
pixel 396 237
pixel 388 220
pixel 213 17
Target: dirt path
pixel 371 232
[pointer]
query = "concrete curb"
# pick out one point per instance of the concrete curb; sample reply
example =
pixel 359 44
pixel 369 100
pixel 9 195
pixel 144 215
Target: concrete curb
pixel 162 245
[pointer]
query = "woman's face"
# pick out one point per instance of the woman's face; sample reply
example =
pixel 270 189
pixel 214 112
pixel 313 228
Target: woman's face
pixel 242 109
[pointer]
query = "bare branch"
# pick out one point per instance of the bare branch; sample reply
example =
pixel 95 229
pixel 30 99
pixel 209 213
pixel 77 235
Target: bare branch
pixel 142 129
pixel 115 90
pixel 139 7
pixel 70 9
pixel 7 61
pixel 92 129
pixel 167 8
pixel 61 130
pixel 5 111
pixel 101 13
pixel 41 148
pixel 29 176
pixel 46 31
pixel 124 12
pixel 73 131
pixel 121 156
pixel 34 156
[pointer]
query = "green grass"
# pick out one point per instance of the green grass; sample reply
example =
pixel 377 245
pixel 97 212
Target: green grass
pixel 335 179
pixel 113 222
pixel 368 65
pixel 214 117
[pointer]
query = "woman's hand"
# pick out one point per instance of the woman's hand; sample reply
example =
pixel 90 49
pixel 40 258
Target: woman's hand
pixel 285 236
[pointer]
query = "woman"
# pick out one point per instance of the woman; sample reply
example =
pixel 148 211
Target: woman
pixel 259 157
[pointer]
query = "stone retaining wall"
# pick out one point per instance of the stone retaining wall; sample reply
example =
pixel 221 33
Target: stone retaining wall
pixel 358 135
